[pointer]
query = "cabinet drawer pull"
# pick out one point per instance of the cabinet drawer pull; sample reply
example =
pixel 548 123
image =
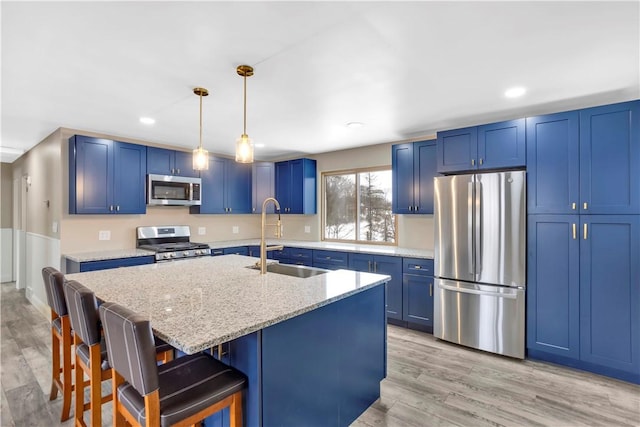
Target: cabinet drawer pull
pixel 584 206
pixel 473 162
pixel 573 206
pixel 417 267
pixel 585 231
pixel 575 231
pixel 480 161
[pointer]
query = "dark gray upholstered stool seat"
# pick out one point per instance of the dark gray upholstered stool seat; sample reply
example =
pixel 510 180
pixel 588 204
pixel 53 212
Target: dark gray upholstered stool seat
pixel 180 392
pixel 61 339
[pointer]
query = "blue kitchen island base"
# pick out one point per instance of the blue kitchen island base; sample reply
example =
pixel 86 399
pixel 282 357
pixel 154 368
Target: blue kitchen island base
pixel 322 368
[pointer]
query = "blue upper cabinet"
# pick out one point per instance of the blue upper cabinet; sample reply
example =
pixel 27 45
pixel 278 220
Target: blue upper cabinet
pixel 457 150
pixel 106 176
pixel 263 176
pixel 170 162
pixel 226 188
pixel 296 186
pixel 492 146
pixel 610 293
pixel 585 161
pixel 610 159
pixel 413 167
pixel 553 163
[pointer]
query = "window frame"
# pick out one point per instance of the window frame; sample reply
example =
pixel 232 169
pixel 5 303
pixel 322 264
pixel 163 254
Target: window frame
pixel 355 171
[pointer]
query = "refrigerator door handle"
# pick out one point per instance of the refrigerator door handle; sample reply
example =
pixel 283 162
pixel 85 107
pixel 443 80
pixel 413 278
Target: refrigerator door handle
pixel 477 250
pixel 470 226
pixel 478 292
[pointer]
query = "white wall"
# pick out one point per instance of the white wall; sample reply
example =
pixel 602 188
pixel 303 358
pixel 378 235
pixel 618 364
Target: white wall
pixel 6 255
pixel 42 251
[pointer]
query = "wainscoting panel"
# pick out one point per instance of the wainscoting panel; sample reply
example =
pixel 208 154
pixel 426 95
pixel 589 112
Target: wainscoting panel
pixel 42 251
pixel 6 255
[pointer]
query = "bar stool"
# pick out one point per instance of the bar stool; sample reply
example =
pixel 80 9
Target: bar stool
pixel 181 392
pixel 90 351
pixel 60 337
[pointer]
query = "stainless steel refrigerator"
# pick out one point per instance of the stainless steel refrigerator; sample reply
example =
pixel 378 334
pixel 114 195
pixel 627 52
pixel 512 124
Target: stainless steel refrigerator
pixel 480 261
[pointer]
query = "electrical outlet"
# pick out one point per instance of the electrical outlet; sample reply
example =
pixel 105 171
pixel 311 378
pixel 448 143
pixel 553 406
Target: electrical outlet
pixel 235 229
pixel 202 231
pixel 104 235
pixel 54 227
pixel 307 229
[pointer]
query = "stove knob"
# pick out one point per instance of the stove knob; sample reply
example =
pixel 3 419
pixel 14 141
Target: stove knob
pixel 172 254
pixel 185 253
pixel 165 256
pixel 199 252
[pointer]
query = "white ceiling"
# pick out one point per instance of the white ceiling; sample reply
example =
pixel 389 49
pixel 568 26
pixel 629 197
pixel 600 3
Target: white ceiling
pixel 405 69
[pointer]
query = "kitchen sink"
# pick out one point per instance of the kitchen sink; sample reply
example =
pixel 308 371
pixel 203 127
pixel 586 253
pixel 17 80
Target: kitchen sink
pixel 292 270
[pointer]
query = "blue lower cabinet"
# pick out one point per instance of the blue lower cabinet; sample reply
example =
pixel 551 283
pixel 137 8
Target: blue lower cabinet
pixel 81 267
pixel 237 250
pixel 417 293
pixel 217 251
pixel 610 294
pixel 331 260
pixel 383 264
pixel 301 256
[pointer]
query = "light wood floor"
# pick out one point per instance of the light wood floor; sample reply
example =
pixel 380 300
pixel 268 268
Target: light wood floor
pixel 429 383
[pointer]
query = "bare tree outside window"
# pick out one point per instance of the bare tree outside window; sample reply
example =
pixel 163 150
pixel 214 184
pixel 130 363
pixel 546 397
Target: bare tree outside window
pixel 358 207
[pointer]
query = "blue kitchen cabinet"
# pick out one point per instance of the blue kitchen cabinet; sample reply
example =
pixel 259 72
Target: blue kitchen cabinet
pixel 610 159
pixel 585 161
pixel 226 188
pixel 296 186
pixel 610 294
pixel 413 167
pixel 81 267
pixel 330 260
pixel 492 146
pixel 417 292
pixel 301 256
pixel 236 250
pixel 170 162
pixel 383 264
pixel 254 251
pixel 553 285
pixel 553 185
pixel 263 175
pixel 106 176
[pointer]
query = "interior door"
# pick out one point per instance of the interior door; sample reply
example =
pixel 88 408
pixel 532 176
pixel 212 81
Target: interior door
pixel 453 216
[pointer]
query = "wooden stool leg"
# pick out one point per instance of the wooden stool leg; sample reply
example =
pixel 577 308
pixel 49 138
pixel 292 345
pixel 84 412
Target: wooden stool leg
pixel 55 362
pixel 95 378
pixel 79 387
pixel 67 384
pixel 235 410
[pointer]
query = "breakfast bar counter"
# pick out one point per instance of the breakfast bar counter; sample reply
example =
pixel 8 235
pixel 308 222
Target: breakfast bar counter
pixel 314 349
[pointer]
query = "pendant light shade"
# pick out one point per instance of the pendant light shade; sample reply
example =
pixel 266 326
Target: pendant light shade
pixel 200 155
pixel 244 144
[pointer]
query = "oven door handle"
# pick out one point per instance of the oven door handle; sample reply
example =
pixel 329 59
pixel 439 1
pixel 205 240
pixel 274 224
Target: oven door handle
pixel 478 292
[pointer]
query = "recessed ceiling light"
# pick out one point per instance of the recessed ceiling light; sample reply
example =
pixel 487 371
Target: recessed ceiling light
pixel 355 125
pixel 147 120
pixel 515 92
pixel 258 145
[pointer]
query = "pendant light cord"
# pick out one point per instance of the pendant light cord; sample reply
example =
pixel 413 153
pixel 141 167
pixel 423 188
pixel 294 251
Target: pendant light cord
pixel 200 121
pixel 245 105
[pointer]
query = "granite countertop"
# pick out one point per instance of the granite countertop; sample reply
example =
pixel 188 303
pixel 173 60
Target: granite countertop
pixel 199 303
pixel 332 246
pixel 105 255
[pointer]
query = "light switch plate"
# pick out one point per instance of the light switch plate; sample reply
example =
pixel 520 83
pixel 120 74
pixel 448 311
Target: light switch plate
pixel 235 229
pixel 307 229
pixel 104 235
pixel 202 231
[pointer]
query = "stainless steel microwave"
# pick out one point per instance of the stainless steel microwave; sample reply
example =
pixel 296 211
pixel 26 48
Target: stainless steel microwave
pixel 171 190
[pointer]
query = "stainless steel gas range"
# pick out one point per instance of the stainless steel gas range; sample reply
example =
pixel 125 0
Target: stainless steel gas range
pixel 170 242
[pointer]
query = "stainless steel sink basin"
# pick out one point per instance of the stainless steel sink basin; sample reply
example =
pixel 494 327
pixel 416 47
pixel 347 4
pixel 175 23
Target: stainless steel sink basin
pixel 292 270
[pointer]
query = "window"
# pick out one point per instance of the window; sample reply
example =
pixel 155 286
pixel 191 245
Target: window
pixel 357 206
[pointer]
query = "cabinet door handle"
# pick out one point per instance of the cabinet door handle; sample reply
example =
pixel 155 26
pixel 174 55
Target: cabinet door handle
pixel 410 208
pixel 573 206
pixel 416 208
pixel 178 171
pixel 430 289
pixel 230 210
pixel 375 266
pixel 369 266
pixel 473 162
pixel 575 231
pixel 584 231
pixel 584 206
pixel 480 161
pixel 118 208
pixel 111 208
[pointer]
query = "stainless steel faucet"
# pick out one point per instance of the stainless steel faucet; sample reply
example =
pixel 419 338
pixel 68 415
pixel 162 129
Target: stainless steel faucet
pixel 263 242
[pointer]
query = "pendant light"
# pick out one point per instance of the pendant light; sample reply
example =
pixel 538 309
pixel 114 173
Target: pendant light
pixel 244 144
pixel 200 155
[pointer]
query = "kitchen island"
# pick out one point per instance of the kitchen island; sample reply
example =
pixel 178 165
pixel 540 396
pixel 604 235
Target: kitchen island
pixel 314 349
